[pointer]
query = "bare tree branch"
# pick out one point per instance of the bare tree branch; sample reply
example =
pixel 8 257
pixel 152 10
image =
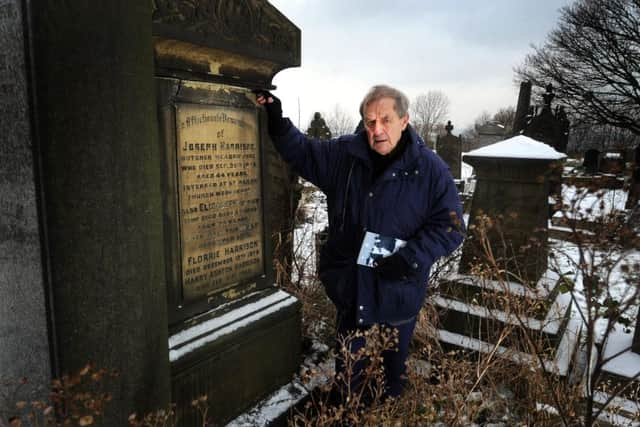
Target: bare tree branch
pixel 593 60
pixel 427 111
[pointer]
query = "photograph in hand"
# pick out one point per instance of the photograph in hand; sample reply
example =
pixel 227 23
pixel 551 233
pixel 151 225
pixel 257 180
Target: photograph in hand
pixel 376 246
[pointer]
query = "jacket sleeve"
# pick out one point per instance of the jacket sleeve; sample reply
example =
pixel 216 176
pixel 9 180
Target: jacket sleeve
pixel 312 159
pixel 444 229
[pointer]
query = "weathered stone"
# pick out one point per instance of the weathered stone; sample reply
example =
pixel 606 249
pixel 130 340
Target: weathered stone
pixel 208 59
pixel 548 126
pixel 83 199
pixel 513 191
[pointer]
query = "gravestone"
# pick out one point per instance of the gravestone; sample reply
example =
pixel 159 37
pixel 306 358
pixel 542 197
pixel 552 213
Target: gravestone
pixel 612 162
pixel 490 133
pixel 512 182
pixel 318 128
pixel 478 308
pixel 450 149
pixel 140 196
pixel 81 264
pixel 591 161
pixel 522 109
pixel 547 125
pixel 233 336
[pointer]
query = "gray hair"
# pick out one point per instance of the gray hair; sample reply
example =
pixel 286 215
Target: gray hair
pixel 401 102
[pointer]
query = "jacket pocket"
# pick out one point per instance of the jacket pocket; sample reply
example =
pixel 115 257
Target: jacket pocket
pixel 400 299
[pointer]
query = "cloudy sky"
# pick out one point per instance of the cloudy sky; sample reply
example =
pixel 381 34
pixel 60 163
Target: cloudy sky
pixel 465 48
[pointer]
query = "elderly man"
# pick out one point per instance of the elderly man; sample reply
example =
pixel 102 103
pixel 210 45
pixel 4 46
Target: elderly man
pixel 382 179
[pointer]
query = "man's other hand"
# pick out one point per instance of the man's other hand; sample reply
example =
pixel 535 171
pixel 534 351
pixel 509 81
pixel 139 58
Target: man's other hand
pixel 393 267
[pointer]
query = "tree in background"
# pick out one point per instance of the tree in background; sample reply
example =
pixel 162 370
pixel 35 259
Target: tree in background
pixel 340 122
pixel 505 116
pixel 592 59
pixel 427 111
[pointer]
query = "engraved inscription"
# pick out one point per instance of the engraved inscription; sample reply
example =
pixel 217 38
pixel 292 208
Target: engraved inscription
pixel 220 212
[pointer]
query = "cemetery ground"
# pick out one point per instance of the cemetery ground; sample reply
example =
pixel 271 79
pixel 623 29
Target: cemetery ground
pixel 595 259
pixel 597 267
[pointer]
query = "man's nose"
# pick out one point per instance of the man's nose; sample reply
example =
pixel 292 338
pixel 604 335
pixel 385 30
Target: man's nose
pixel 377 128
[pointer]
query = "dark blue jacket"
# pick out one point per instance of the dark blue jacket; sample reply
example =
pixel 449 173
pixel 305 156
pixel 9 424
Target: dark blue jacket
pixel 415 199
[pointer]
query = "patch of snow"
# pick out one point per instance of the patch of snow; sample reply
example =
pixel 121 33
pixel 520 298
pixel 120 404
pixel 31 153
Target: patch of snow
pixel 190 339
pixel 518 147
pixel 626 405
pixel 466 171
pixel 585 205
pixel 283 399
pixel 627 363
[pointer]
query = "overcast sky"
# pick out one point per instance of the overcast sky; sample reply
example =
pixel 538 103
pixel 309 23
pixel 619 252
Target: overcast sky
pixel 465 48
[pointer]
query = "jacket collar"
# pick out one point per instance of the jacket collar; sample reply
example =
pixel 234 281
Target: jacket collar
pixel 358 146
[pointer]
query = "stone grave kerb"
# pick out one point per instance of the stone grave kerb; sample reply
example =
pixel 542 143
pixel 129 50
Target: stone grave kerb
pixel 513 188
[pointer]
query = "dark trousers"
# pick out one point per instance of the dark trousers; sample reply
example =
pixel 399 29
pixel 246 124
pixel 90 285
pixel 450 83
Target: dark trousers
pixel 393 360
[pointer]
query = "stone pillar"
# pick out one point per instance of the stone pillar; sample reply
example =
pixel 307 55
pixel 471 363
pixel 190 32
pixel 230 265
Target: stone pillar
pixel 522 110
pixel 512 184
pixel 23 298
pixel 82 200
pixel 449 148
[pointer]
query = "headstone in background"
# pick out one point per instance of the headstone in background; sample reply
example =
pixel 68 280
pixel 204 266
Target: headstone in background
pixel 515 187
pixel 318 128
pixel 549 126
pixel 82 272
pixel 450 149
pixel 522 110
pixel 233 335
pixel 591 161
pixel 612 162
pixel 477 307
pixel 490 133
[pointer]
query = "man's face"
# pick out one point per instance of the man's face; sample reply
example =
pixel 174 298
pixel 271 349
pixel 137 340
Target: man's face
pixel 384 126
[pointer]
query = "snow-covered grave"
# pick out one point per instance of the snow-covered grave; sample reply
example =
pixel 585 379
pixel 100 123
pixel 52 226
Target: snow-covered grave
pixel 512 181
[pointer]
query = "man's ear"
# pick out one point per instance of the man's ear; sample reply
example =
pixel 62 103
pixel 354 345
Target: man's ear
pixel 405 121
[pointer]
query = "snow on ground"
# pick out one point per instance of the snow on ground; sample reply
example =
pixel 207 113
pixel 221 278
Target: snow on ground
pixel 314 203
pixel 586 205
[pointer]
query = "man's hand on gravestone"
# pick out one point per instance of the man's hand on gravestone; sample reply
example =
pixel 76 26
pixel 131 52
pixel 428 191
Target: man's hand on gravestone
pixel 273 106
pixel 393 267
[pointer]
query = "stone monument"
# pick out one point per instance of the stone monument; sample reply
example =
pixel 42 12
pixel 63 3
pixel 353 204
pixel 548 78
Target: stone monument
pixel 490 133
pixel 318 128
pixel 513 182
pixel 591 162
pixel 522 110
pixel 140 195
pixel 478 307
pixel 82 272
pixel 449 148
pixel 545 124
pixel 233 336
